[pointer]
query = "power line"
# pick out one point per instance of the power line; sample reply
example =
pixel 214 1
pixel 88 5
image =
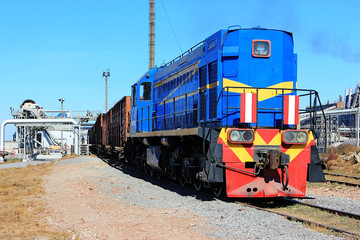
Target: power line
pixel 171 26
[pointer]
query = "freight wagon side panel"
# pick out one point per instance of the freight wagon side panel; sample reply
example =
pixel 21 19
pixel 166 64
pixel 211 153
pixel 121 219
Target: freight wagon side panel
pixel 120 124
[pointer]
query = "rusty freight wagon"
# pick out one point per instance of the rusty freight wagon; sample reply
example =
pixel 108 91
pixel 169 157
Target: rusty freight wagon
pixel 120 122
pixel 94 134
pixel 111 129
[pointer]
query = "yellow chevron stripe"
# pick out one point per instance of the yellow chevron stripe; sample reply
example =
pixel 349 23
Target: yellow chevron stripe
pixel 238 149
pixel 296 149
pixel 259 140
pixel 276 140
pixel 263 94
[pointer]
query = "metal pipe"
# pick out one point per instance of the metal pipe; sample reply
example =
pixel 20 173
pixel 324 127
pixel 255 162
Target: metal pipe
pixel 31 121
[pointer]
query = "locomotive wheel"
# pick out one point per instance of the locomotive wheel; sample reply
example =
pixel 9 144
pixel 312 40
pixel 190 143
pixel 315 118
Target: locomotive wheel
pixel 151 172
pixel 138 161
pixel 143 162
pixel 217 189
pixel 182 180
pixel 146 170
pixel 197 185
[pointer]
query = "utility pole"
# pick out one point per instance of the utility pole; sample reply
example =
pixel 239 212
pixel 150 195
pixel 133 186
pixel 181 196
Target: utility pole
pixel 106 75
pixel 152 34
pixel 62 115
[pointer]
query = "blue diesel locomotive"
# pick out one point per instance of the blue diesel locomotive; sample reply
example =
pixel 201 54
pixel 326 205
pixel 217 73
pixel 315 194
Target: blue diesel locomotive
pixel 225 115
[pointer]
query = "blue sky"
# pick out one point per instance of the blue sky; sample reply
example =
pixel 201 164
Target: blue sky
pixel 51 49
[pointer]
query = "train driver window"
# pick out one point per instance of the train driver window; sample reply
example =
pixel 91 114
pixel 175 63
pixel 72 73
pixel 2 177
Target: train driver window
pixel 145 91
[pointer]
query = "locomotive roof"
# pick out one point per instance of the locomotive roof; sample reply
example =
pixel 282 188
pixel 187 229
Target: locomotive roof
pixel 194 54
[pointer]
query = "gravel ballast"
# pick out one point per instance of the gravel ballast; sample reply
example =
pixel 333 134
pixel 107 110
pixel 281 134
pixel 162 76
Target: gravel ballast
pixel 221 219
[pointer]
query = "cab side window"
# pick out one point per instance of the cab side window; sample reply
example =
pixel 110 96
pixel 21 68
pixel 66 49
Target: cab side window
pixel 145 91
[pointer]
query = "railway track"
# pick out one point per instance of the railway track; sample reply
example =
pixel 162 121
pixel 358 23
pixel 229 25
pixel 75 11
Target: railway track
pixel 344 183
pixel 310 222
pixel 334 211
pixel 341 175
pixel 347 183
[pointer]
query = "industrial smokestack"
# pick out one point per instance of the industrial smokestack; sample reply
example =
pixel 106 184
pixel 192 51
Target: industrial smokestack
pixel 152 34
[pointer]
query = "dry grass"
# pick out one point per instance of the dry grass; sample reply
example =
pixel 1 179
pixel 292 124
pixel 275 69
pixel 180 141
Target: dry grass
pixel 11 160
pixel 22 211
pixel 334 159
pixel 343 149
pixel 342 167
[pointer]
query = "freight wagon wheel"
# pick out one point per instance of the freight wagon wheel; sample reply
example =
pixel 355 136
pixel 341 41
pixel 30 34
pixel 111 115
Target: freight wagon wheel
pixel 217 189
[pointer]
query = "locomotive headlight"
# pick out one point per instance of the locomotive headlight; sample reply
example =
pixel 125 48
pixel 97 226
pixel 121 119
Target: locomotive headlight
pixel 289 137
pixel 295 137
pixel 261 48
pixel 301 137
pixel 241 135
pixel 235 136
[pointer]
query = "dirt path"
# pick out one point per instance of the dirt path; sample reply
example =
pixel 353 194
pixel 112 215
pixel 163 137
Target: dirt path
pixel 76 205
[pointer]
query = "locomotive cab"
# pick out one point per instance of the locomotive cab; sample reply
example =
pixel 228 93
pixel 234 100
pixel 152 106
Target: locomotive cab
pixel 141 103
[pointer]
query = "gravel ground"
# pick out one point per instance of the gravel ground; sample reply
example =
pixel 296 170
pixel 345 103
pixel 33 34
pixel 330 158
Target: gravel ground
pixel 221 219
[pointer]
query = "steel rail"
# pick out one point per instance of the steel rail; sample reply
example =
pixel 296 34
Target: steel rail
pixel 341 175
pixel 334 211
pixel 345 183
pixel 289 217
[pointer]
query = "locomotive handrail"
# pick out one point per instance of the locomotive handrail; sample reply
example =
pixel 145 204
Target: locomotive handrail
pixel 182 55
pixel 311 109
pixel 211 116
pixel 169 100
pixel 207 122
pixel 322 110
